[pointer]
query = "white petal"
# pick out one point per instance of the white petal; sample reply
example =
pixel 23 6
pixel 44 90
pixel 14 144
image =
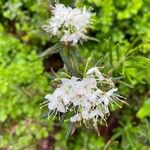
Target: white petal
pixel 95 71
pixel 99 75
pixel 59 92
pixel 52 105
pixel 85 115
pixel 61 107
pixel 66 100
pixel 100 113
pixel 49 97
pixel 76 102
pixel 75 118
pixel 106 110
pixel 91 71
pixel 110 92
pixel 65 81
pixel 93 114
pixel 71 81
pixel 105 100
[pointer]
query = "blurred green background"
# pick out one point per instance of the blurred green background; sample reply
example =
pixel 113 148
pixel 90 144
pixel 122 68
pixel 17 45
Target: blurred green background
pixel 123 28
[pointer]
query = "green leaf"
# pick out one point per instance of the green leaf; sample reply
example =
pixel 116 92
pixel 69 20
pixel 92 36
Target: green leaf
pixel 52 50
pixel 3 116
pixel 144 111
pixel 69 129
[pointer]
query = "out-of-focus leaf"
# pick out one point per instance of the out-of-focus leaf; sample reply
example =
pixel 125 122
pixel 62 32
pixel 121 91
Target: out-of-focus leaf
pixel 144 111
pixel 52 50
pixel 69 130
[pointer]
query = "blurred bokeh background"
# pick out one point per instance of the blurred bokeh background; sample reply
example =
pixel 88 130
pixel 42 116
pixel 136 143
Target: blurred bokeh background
pixel 123 29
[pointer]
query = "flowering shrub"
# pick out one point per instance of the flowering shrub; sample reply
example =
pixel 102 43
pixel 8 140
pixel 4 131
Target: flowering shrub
pixel 68 24
pixel 84 96
pixel 89 98
pixel 116 45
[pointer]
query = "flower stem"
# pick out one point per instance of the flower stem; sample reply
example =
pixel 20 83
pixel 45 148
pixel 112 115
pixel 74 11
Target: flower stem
pixel 66 61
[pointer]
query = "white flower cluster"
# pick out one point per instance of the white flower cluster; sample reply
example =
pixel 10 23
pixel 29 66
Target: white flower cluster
pixel 83 97
pixel 69 24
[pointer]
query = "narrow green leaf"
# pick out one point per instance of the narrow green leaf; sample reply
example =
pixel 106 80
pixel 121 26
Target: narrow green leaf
pixel 110 50
pixel 52 50
pixel 69 129
pixel 66 61
pixel 62 119
pixel 134 45
pixel 117 52
pixel 126 84
pixel 92 39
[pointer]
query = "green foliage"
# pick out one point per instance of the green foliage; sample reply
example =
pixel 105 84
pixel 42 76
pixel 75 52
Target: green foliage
pixel 22 85
pixel 132 136
pixel 144 110
pixel 22 82
pixel 123 50
pixel 83 141
pixel 118 18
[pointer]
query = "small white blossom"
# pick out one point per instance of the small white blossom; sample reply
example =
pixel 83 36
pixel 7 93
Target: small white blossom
pixel 75 118
pixel 83 97
pixel 96 113
pixel 69 24
pixel 96 72
pixel 55 103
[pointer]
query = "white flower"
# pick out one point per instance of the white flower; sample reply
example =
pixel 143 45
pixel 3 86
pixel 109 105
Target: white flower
pixel 85 114
pixel 71 38
pixel 55 103
pixel 96 72
pixel 84 97
pixel 107 97
pixel 96 113
pixel 75 118
pixel 69 24
pixel 55 23
pixel 62 93
pixel 111 92
pixel 69 82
